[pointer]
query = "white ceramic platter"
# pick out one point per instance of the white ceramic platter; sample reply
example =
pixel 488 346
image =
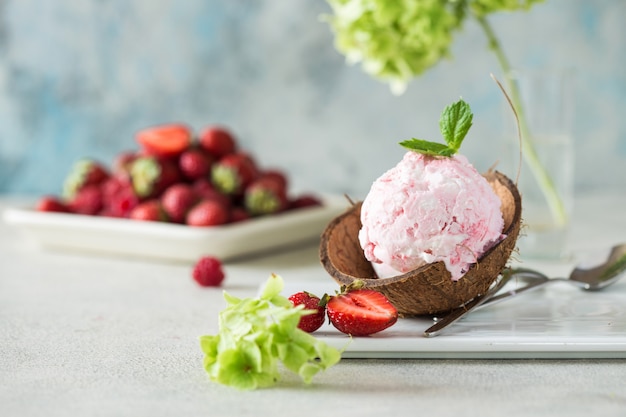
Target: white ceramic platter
pixel 559 321
pixel 170 242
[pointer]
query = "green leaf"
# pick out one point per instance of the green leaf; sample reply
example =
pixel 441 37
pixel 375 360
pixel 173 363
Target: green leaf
pixel 455 122
pixel 427 148
pixel 231 299
pixel 272 288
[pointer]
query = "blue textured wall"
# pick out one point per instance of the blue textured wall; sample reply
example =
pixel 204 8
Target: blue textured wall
pixel 78 77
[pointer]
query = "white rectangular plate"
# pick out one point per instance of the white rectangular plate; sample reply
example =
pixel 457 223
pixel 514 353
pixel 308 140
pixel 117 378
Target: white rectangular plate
pixel 559 321
pixel 172 242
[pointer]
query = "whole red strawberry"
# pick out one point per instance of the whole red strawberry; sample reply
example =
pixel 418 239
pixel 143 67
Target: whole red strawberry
pixel 177 200
pixel 208 272
pixel 84 172
pixel 239 214
pixel 195 164
pixel 276 175
pixel 119 197
pixel 310 322
pixel 265 195
pixel 206 191
pixel 151 176
pixel 51 204
pixel 232 173
pixel 361 312
pixel 207 213
pixel 164 140
pixel 87 200
pixel 305 200
pixel 218 141
pixel 150 210
pixel 123 161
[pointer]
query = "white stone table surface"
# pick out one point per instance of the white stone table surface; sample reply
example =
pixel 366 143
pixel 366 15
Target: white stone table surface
pixel 84 335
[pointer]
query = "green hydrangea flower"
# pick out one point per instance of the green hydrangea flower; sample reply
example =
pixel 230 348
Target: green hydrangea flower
pixel 397 40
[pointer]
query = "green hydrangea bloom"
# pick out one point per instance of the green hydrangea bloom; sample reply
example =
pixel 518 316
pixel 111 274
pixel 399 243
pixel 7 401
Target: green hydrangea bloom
pixel 396 40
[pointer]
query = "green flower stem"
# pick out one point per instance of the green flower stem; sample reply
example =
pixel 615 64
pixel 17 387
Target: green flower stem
pixel 528 150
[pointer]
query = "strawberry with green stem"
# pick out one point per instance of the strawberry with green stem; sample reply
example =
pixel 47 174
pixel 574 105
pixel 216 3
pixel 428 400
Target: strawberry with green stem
pixel 317 310
pixel 266 195
pixel 150 175
pixel 84 172
pixel 232 173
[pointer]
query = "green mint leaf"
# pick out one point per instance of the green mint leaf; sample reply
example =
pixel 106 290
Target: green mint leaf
pixel 455 122
pixel 427 148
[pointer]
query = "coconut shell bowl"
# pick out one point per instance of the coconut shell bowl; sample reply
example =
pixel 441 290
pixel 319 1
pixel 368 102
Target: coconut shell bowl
pixel 428 290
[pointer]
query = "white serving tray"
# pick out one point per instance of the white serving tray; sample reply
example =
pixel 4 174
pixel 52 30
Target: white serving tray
pixel 172 242
pixel 559 321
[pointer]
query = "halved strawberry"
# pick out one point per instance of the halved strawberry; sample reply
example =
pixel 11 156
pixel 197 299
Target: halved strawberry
pixel 361 312
pixel 164 140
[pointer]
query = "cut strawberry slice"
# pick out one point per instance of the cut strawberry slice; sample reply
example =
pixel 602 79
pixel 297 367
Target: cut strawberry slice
pixel 361 312
pixel 165 140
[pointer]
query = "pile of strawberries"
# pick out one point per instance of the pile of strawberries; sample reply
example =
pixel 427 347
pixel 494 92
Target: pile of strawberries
pixel 177 177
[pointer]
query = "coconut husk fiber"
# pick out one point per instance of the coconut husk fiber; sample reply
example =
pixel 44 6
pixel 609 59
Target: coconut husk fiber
pixel 429 289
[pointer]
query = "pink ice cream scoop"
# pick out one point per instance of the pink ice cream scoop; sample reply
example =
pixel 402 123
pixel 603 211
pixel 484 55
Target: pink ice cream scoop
pixel 428 209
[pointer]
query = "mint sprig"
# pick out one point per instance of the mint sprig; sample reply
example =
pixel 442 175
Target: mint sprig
pixel 256 334
pixel 455 122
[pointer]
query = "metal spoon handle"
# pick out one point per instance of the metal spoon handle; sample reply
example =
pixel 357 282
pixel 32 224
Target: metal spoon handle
pixel 535 280
pixel 459 312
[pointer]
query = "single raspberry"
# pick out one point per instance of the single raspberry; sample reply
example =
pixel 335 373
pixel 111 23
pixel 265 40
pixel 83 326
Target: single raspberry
pixel 208 272
pixel 218 141
pixel 310 322
pixel 150 210
pixel 177 200
pixel 207 213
